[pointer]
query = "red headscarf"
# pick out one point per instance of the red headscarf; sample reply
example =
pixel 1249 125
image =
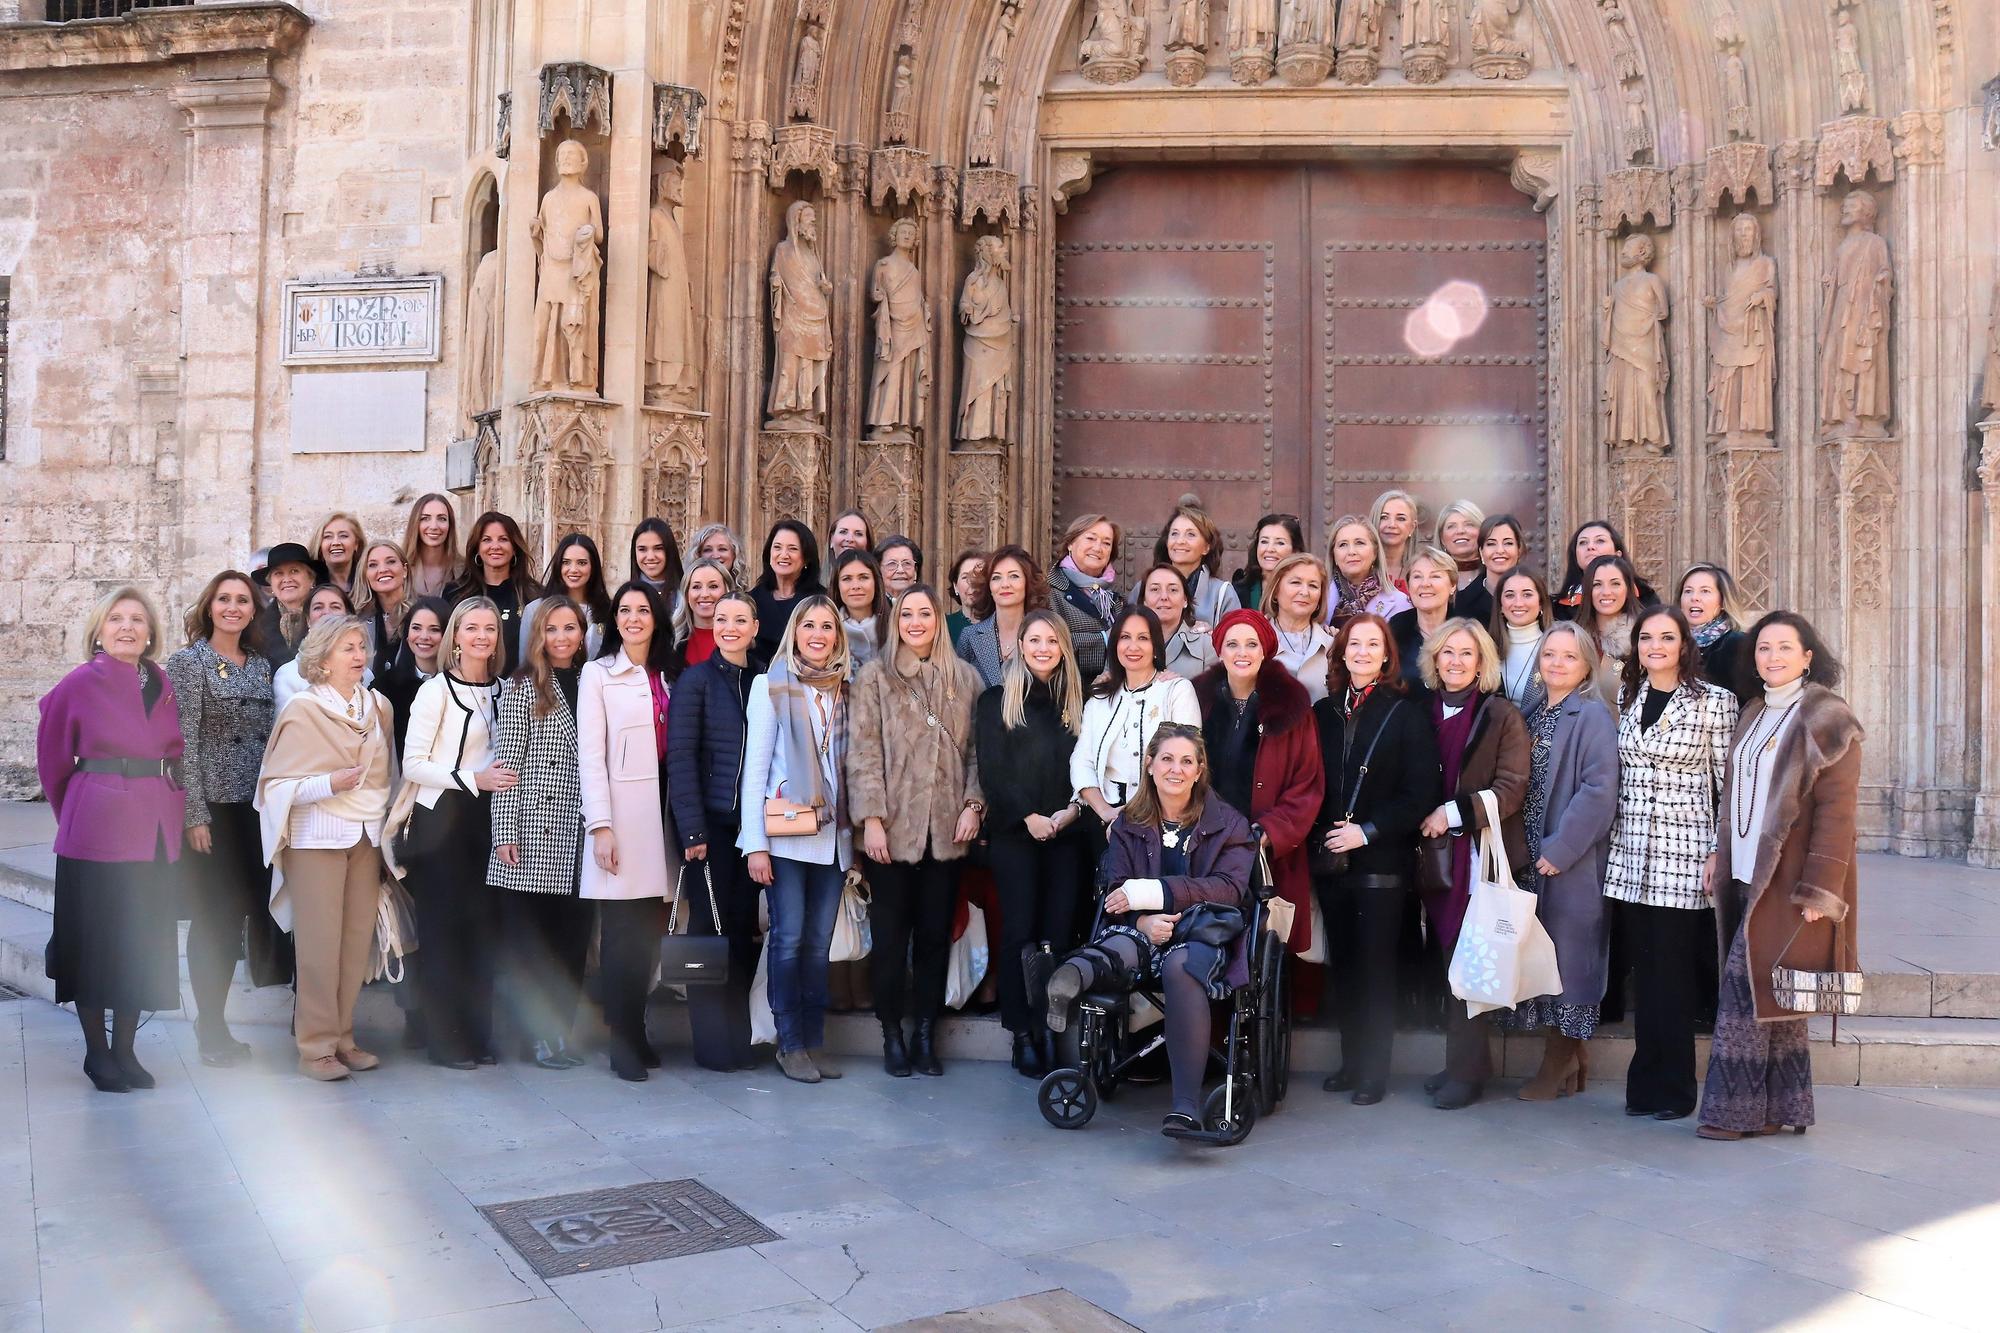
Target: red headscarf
pixel 1255 620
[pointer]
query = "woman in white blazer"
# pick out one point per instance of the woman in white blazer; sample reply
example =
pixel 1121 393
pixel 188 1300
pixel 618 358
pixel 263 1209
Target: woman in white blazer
pixel 795 747
pixel 444 810
pixel 621 729
pixel 1126 706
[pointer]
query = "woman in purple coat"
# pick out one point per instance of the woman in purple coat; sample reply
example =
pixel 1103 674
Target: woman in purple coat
pixel 107 751
pixel 1179 872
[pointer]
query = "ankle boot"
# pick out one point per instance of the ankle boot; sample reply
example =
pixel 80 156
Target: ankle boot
pixel 895 1059
pixel 923 1049
pixel 1028 1060
pixel 1560 1070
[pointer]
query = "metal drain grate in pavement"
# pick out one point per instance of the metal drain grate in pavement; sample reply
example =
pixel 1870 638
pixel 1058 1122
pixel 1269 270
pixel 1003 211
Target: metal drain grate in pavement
pixel 632 1224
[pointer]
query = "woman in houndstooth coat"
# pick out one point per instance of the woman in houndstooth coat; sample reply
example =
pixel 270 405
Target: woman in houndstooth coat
pixel 538 835
pixel 1673 754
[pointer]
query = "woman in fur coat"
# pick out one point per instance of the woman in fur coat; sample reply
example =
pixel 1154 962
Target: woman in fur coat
pixel 1783 877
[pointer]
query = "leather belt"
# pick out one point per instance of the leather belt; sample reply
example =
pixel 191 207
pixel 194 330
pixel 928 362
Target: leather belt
pixel 1371 881
pixel 128 768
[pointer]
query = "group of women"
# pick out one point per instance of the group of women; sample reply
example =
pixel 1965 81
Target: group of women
pixel 541 763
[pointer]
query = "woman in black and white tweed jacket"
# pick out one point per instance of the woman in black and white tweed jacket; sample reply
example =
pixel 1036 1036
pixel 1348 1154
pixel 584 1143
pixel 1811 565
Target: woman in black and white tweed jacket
pixel 538 835
pixel 1673 753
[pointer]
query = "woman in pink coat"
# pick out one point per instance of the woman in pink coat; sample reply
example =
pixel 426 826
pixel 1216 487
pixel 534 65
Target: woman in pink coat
pixel 621 729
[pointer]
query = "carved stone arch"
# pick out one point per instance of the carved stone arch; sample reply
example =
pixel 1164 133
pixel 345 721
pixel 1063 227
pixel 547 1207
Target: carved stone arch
pixel 674 472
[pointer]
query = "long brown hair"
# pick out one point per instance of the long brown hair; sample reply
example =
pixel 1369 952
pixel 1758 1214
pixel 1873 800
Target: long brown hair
pixel 981 605
pixel 199 624
pixel 536 672
pixel 1144 807
pixel 413 540
pixel 1391 678
pixel 472 579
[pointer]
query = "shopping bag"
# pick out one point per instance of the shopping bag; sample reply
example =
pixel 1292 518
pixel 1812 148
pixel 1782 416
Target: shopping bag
pixel 763 1027
pixel 851 935
pixel 395 931
pixel 967 967
pixel 1504 954
pixel 1315 951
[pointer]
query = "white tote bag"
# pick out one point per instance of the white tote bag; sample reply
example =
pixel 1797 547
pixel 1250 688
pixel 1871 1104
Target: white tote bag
pixel 968 960
pixel 852 937
pixel 1504 955
pixel 763 1027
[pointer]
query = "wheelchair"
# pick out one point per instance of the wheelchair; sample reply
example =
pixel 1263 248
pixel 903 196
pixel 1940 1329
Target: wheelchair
pixel 1255 1052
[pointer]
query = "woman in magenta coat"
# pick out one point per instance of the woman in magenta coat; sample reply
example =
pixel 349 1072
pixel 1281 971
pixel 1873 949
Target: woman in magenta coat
pixel 107 750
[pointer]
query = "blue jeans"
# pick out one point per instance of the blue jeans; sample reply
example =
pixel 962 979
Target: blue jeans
pixel 805 901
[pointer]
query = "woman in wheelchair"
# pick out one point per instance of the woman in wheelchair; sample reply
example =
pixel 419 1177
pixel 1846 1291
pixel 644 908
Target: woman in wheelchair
pixel 1178 867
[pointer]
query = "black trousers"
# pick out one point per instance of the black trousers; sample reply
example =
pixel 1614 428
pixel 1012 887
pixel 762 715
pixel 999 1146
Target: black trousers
pixel 456 923
pixel 1037 884
pixel 544 939
pixel 1666 946
pixel 628 949
pixel 1364 923
pixel 228 891
pixel 735 895
pixel 909 915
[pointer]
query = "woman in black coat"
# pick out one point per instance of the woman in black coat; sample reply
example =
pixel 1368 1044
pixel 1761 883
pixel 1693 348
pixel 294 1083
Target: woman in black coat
pixel 706 725
pixel 1708 596
pixel 1381 761
pixel 1025 730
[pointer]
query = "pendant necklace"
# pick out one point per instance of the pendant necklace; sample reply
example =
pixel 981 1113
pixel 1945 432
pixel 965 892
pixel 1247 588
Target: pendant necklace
pixel 1170 835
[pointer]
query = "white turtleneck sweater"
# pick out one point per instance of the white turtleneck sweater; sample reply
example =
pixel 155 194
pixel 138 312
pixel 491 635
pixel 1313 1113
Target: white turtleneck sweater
pixel 1751 764
pixel 1518 669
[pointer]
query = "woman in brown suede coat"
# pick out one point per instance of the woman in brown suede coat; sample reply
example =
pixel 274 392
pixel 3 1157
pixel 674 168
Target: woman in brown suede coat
pixel 913 792
pixel 1783 877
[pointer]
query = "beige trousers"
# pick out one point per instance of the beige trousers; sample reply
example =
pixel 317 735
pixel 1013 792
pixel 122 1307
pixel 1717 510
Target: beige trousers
pixel 333 927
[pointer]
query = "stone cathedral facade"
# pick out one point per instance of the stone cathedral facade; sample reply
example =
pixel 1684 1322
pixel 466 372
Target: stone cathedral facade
pixel 1722 271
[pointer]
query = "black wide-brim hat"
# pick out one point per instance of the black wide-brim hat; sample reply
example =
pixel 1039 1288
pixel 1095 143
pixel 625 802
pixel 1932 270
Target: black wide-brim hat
pixel 290 553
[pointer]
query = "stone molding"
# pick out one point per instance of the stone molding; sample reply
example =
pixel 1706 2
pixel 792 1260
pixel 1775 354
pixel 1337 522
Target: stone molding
pixel 155 36
pixel 226 104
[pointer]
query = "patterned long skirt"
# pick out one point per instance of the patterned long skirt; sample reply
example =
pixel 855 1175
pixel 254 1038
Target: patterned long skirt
pixel 1758 1073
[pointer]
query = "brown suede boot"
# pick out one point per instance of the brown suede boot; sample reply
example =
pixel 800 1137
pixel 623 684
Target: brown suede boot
pixel 1561 1069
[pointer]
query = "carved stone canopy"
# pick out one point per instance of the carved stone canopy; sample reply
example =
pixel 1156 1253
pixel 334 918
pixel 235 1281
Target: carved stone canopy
pixel 580 91
pixel 1634 194
pixel 991 191
pixel 677 113
pixel 899 175
pixel 1854 146
pixel 1737 171
pixel 807 148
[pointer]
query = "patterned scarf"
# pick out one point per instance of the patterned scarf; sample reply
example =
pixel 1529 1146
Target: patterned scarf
pixel 1099 590
pixel 1354 597
pixel 1708 634
pixel 792 701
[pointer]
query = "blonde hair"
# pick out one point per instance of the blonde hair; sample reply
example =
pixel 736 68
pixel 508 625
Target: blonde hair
pixel 1457 509
pixel 733 571
pixel 1065 681
pixel 1416 524
pixel 1436 555
pixel 448 648
pixel 841 664
pixel 683 614
pixel 1144 807
pixel 364 593
pixel 1340 525
pixel 536 672
pixel 360 546
pixel 1083 523
pixel 93 628
pixel 1285 567
pixel 320 640
pixel 1586 649
pixel 1490 677
pixel 1732 611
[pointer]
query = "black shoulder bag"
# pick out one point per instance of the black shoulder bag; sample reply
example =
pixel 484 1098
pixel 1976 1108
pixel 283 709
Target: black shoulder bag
pixel 1322 861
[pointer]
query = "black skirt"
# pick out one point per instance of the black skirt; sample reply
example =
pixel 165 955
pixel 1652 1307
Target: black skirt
pixel 114 944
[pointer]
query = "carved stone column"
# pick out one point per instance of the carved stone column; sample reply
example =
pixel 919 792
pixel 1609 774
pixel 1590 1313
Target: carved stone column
pixel 1796 243
pixel 222 286
pixel 673 468
pixel 1859 487
pixel 1985 849
pixel 1645 503
pixel 977 514
pixel 793 468
pixel 566 470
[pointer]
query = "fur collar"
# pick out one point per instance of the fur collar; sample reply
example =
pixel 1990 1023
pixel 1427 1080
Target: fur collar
pixel 1282 703
pixel 1820 737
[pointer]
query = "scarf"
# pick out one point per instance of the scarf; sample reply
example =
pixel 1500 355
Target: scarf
pixel 792 701
pixel 1098 590
pixel 1353 598
pixel 315 736
pixel 1709 633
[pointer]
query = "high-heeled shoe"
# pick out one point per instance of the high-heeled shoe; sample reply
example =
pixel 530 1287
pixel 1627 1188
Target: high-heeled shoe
pixel 104 1073
pixel 923 1049
pixel 136 1075
pixel 895 1055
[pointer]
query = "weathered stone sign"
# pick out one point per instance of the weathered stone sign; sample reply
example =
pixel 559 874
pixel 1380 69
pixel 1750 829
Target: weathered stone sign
pixel 362 320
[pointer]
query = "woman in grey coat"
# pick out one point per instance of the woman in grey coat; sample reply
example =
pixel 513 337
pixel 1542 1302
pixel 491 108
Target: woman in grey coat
pixel 1572 803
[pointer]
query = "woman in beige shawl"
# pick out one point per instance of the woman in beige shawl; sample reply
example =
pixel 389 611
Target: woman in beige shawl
pixel 322 796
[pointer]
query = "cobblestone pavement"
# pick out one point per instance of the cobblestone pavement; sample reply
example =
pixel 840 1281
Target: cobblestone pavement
pixel 254 1199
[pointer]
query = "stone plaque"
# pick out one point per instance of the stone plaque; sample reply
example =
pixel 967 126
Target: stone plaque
pixel 358 411
pixel 362 321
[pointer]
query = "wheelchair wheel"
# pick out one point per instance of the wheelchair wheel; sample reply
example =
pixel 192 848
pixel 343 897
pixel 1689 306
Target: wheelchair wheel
pixel 1233 1127
pixel 1273 1054
pixel 1067 1098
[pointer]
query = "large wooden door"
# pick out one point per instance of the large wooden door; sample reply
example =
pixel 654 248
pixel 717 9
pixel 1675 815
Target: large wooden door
pixel 1298 338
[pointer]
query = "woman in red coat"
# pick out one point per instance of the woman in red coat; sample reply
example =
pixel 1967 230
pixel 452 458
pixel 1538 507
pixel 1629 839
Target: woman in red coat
pixel 1263 752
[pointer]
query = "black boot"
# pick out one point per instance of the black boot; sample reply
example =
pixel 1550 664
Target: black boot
pixel 98 1066
pixel 1028 1060
pixel 895 1059
pixel 923 1049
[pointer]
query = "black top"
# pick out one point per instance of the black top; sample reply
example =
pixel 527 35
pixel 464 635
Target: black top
pixel 1655 704
pixel 508 601
pixel 567 679
pixel 774 613
pixel 1474 601
pixel 387 644
pixel 1024 770
pixel 1230 732
pixel 399 686
pixel 276 650
pixel 1404 782
pixel 1721 660
pixel 1409 637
